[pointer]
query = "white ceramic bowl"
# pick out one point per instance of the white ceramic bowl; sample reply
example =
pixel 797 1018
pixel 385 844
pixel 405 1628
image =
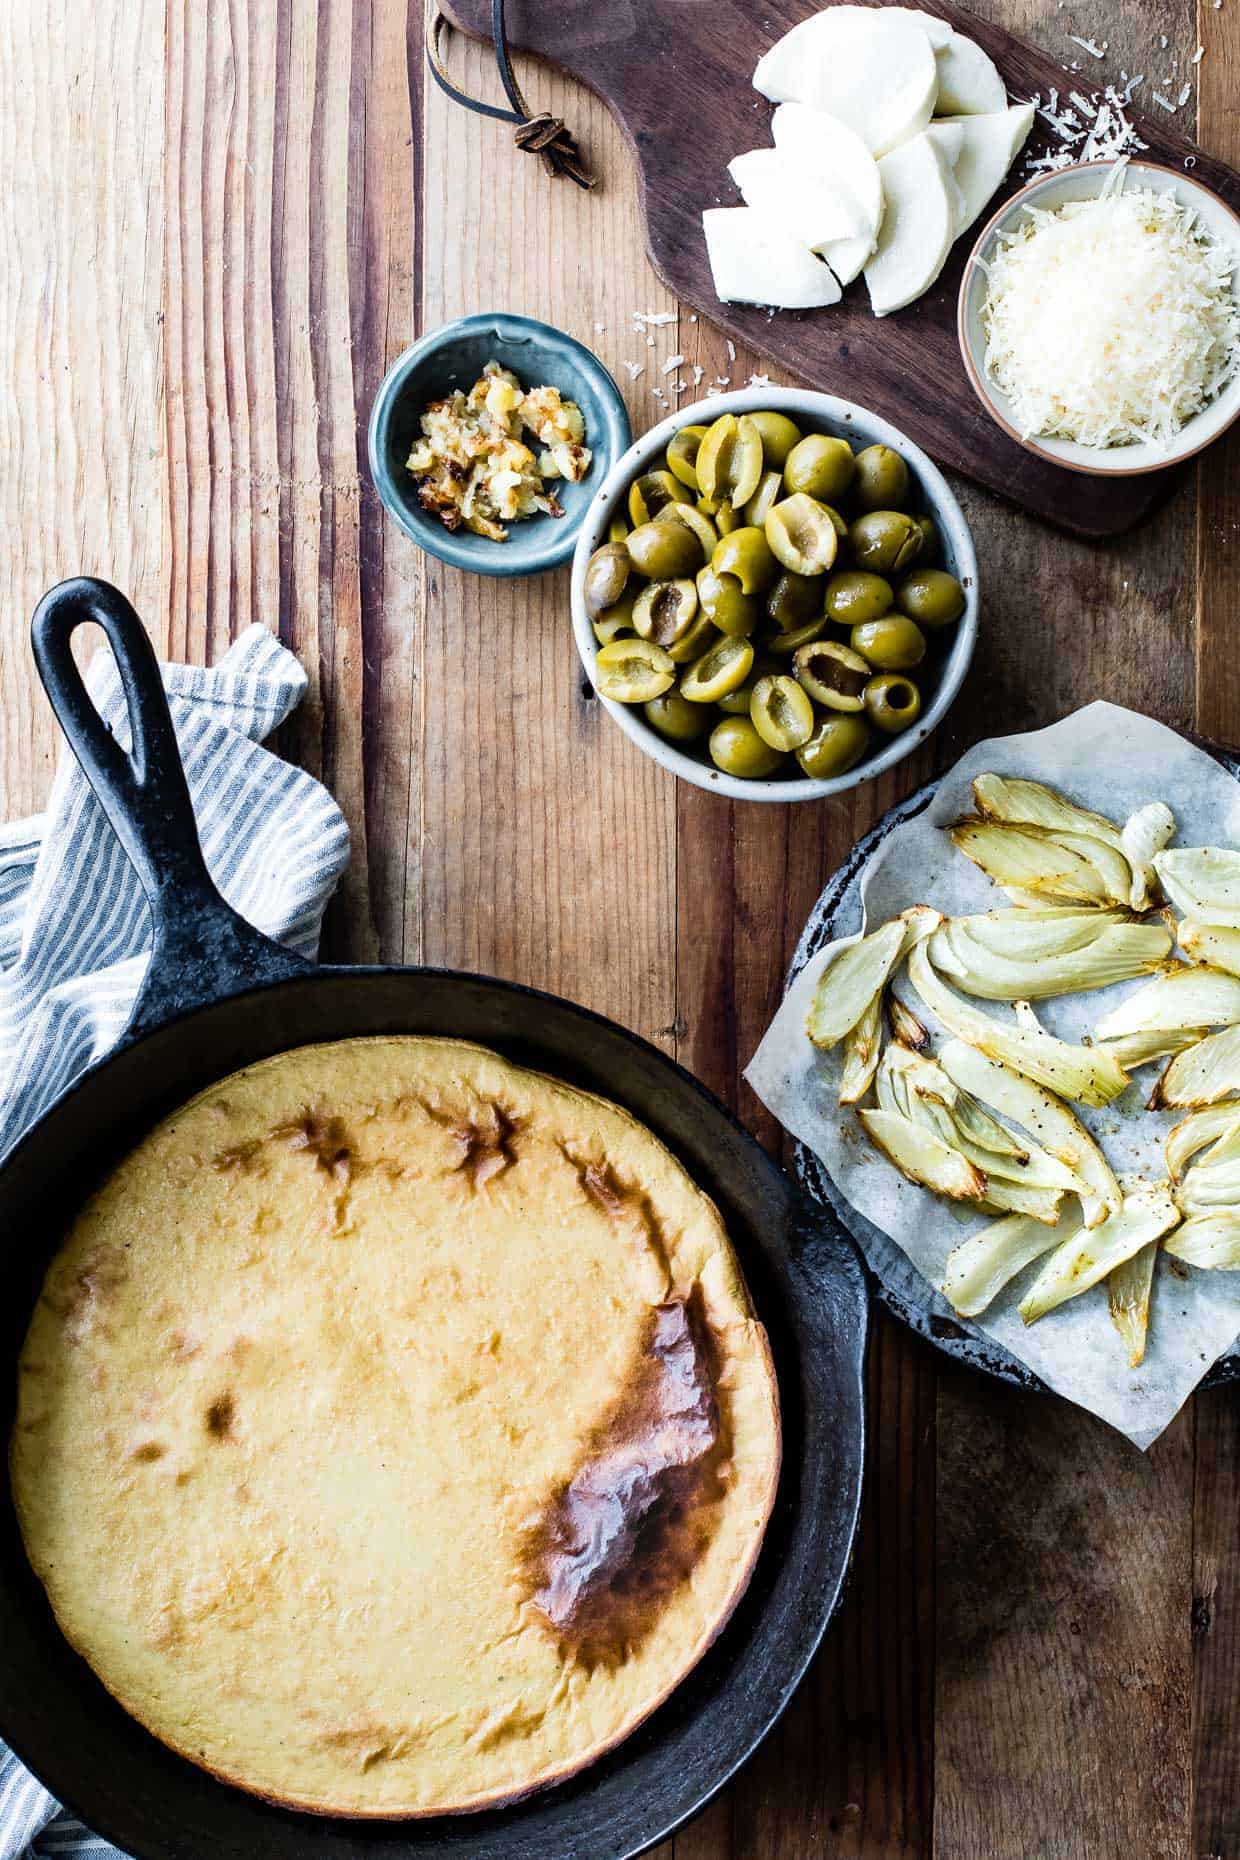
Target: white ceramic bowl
pixel 1048 191
pixel 819 413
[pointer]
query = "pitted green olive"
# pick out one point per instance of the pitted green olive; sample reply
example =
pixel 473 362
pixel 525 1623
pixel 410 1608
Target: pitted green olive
pixel 693 519
pixel 616 620
pixel 651 493
pixel 665 610
pixel 729 459
pixel 736 703
pixel 853 596
pixel 737 749
pixel 801 535
pixel 893 644
pixel 931 596
pixel 892 702
pixel 769 486
pixel 832 674
pixel 607 573
pixel 781 713
pixel 746 554
pixel 633 671
pixel 718 671
pixel 929 537
pixel 779 435
pixel 682 451
pixel 701 634
pixel 725 602
pixel 882 479
pixel 820 466
pixel 674 717
pixel 836 746
pixel 884 541
pixel 786 643
pixel 794 599
pixel 664 550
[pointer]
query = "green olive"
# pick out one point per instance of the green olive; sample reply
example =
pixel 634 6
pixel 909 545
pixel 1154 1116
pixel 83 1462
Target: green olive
pixel 746 554
pixel 794 599
pixel 729 459
pixel 801 535
pixel 682 451
pixel 693 519
pixel 821 466
pixel 929 536
pixel 737 749
pixel 785 644
pixel 617 530
pixel 779 435
pixel 736 703
pixel 883 540
pixel 835 746
pixel 725 602
pixel 769 486
pixel 633 671
pixel 893 644
pixel 617 620
pixel 664 550
pixel 718 671
pixel 853 596
pixel 606 575
pixel 665 610
pixel 931 596
pixel 781 713
pixel 674 717
pixel 882 479
pixel 651 493
pixel 833 674
pixel 841 528
pixel 701 634
pixel 892 702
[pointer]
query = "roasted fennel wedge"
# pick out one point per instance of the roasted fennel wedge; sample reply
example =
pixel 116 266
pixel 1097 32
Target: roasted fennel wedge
pixel 1116 952
pixel 1193 1134
pixel 1077 1072
pixel 1181 998
pixel 1202 1074
pixel 1203 882
pixel 979 1268
pixel 1213 944
pixel 851 981
pixel 1147 1213
pixel 1128 1300
pixel 1208 1241
pixel 1017 856
pixel 923 1157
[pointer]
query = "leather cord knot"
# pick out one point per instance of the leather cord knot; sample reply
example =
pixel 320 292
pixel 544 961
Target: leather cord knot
pixel 543 135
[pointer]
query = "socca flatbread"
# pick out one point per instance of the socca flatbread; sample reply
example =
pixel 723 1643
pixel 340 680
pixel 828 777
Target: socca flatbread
pixel 394 1431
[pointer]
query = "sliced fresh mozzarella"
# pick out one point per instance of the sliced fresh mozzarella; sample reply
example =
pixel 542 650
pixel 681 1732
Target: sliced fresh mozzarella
pixel 969 84
pixel 754 261
pixel 873 67
pixel 985 148
pixel 848 258
pixel 797 198
pixel 825 146
pixel 936 30
pixel 918 226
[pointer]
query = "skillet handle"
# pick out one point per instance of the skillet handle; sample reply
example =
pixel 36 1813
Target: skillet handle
pixel 202 948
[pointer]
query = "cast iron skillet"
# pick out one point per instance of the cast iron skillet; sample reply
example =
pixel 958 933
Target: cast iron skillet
pixel 218 996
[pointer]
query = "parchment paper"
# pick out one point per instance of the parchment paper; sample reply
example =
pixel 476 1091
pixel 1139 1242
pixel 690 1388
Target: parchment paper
pixel 1114 761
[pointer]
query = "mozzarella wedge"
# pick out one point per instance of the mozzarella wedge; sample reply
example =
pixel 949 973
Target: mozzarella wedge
pixel 753 261
pixel 873 67
pixel 848 258
pixel 969 84
pixel 936 30
pixel 918 225
pixel 981 150
pixel 801 202
pixel 826 147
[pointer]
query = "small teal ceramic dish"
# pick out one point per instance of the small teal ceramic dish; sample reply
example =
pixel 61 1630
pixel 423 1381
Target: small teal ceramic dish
pixel 455 356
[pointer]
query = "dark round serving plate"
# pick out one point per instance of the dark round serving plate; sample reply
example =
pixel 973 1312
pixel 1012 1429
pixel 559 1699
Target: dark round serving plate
pixel 897 1283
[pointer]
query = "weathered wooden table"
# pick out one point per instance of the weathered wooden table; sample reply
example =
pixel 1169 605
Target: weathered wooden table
pixel 220 220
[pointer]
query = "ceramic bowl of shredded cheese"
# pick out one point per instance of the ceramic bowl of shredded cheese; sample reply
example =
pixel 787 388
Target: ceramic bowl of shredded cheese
pixel 1099 317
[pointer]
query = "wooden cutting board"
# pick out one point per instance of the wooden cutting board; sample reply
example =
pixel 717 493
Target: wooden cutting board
pixel 677 74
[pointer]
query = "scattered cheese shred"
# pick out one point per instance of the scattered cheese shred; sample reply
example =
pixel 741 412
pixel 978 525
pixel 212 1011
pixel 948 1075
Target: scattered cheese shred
pixel 671 364
pixel 1110 321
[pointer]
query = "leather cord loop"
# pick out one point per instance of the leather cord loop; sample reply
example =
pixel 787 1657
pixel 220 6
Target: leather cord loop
pixel 544 135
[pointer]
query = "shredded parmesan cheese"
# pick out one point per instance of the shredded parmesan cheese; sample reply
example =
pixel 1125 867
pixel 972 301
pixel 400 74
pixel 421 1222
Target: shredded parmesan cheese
pixel 1110 321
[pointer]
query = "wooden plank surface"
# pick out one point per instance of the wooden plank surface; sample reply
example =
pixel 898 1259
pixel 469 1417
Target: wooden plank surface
pixel 907 367
pixel 249 207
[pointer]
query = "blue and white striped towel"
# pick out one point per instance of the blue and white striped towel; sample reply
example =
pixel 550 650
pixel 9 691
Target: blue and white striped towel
pixel 75 942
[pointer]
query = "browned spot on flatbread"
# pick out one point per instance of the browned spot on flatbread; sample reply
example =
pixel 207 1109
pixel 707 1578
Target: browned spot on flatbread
pixel 220 1416
pixel 630 1524
pixel 149 1450
pixel 325 1137
pixel 484 1139
pixel 91 1288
